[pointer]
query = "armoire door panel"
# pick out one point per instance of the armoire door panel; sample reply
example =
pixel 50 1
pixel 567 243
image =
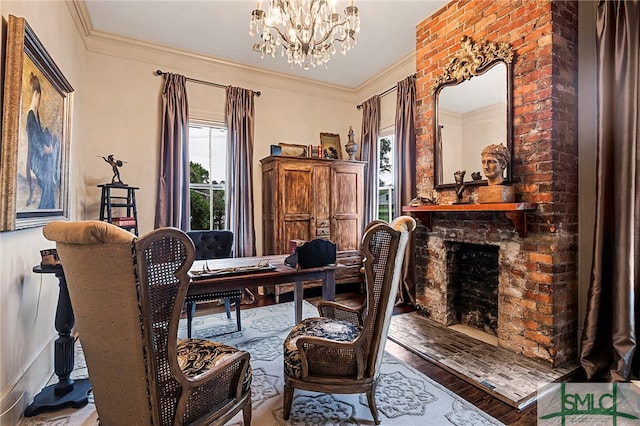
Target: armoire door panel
pixel 322 192
pixel 295 230
pixel 296 191
pixel 346 235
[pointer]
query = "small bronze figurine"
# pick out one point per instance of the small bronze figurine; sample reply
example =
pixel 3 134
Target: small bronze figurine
pixel 114 165
pixel 459 177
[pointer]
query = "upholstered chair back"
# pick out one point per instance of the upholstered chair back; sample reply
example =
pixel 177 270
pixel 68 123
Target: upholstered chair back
pixel 99 267
pixel 212 244
pixel 127 294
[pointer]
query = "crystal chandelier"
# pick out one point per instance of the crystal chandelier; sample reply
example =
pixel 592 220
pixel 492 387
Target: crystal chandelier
pixel 307 30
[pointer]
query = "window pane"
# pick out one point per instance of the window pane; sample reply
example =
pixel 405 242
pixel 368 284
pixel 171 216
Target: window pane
pixel 207 155
pixel 386 207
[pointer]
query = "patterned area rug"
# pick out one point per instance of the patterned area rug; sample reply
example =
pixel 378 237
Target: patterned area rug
pixel 404 396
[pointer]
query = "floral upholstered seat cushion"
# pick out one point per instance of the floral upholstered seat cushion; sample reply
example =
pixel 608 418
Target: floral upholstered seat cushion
pixel 328 328
pixel 197 356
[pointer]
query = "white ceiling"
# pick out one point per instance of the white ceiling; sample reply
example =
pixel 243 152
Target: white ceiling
pixel 221 29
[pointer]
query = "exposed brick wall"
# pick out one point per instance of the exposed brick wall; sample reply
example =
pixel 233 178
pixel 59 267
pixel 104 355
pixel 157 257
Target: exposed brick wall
pixel 538 278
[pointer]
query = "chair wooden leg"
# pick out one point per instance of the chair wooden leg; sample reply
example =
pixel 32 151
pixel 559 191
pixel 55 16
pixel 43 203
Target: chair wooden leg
pixel 191 310
pixel 238 322
pixel 371 399
pixel 287 400
pixel 246 413
pixel 227 306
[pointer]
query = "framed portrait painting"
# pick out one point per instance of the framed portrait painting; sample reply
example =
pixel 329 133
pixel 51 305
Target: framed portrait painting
pixel 331 147
pixel 36 115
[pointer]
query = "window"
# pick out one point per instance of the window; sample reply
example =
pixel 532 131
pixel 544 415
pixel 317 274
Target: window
pixel 207 171
pixel 386 201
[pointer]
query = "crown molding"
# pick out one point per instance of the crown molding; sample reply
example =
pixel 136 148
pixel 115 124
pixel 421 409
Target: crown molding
pixel 227 72
pixel 389 76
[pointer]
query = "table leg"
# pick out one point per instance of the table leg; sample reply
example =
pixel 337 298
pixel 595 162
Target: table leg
pixel 329 285
pixel 298 295
pixel 67 392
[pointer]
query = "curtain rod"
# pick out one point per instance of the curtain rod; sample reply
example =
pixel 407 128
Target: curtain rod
pixel 386 92
pixel 208 83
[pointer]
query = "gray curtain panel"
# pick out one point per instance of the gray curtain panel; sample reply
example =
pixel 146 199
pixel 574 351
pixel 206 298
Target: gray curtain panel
pixel 610 337
pixel 370 130
pixel 239 113
pixel 172 206
pixel 405 175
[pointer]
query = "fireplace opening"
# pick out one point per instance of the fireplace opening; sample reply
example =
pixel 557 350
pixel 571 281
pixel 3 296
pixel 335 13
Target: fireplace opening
pixel 472 292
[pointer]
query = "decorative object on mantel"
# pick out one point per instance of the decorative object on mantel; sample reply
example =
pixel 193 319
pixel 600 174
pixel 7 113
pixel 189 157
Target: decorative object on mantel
pixel 459 177
pixel 476 176
pixel 421 201
pixel 351 147
pixel 495 159
pixel 306 30
pixel 115 180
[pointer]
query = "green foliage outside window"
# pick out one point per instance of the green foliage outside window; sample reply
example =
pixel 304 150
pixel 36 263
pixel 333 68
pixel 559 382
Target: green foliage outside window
pixel 199 200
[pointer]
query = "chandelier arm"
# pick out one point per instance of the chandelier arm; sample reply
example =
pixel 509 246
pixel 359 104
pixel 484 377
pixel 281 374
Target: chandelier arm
pixel 326 36
pixel 282 36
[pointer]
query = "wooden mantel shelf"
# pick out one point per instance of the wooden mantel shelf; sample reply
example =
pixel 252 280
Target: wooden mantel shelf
pixel 515 212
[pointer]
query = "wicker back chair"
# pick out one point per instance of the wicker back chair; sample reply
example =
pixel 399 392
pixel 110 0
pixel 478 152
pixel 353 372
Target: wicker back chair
pixel 341 351
pixel 127 294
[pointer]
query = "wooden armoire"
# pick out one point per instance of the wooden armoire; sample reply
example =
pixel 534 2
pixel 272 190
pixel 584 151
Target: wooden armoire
pixel 307 198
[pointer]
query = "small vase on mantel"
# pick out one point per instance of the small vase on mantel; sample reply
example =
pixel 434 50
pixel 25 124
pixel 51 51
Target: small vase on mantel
pixel 351 147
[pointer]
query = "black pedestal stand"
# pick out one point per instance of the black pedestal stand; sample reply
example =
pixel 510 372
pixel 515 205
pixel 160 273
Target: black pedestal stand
pixel 67 392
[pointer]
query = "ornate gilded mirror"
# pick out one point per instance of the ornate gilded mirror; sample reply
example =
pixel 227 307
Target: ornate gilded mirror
pixel 473 109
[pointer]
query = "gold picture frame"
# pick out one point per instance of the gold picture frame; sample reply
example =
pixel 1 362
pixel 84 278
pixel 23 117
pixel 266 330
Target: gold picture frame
pixel 331 147
pixel 293 150
pixel 36 119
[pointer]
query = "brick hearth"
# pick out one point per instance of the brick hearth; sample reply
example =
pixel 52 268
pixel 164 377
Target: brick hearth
pixel 537 290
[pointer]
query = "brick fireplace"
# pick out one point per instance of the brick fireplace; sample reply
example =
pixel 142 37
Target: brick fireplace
pixel 537 273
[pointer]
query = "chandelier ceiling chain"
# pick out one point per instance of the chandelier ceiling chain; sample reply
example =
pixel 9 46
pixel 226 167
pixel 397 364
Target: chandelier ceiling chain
pixel 306 30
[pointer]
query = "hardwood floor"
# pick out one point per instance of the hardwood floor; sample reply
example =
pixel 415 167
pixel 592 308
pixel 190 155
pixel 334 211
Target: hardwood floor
pixel 476 396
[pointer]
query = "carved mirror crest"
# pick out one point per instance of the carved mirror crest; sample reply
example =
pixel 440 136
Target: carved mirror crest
pixel 473 109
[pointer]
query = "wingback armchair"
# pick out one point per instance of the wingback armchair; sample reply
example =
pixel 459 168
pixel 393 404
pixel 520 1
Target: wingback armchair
pixel 127 295
pixel 213 245
pixel 341 351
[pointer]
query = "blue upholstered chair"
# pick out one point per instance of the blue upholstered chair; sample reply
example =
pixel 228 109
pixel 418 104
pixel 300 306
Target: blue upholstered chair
pixel 213 245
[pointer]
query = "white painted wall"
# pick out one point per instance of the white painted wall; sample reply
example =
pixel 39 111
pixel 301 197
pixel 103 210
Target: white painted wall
pixel 28 301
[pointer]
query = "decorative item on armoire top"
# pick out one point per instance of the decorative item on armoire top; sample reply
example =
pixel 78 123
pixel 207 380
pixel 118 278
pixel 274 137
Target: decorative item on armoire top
pixel 331 147
pixel 459 178
pixel 351 147
pixel 276 150
pixel 495 159
pixel 293 150
pixel 115 180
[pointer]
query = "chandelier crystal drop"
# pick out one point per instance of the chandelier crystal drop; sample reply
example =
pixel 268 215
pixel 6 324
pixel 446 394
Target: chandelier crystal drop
pixel 307 31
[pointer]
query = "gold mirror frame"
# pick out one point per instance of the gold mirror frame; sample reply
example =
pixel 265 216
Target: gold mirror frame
pixel 472 60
